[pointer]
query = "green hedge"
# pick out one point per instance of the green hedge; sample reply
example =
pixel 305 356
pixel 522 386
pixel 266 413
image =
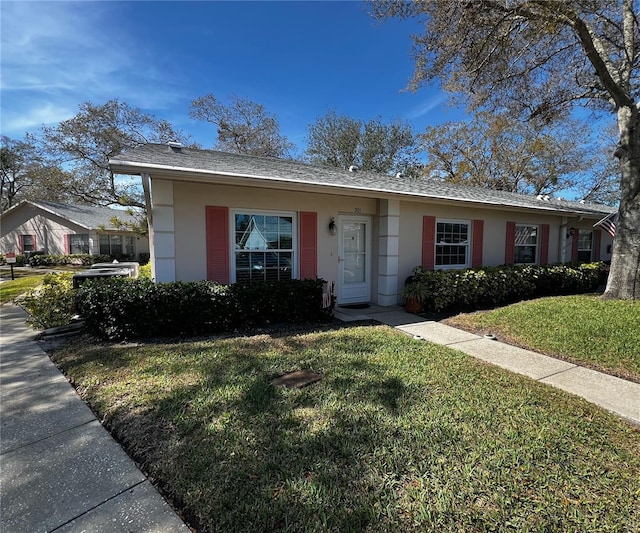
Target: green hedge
pixel 124 308
pixel 464 290
pixel 20 260
pixel 68 259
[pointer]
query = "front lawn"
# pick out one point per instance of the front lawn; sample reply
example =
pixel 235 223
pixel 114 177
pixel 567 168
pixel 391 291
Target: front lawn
pixel 400 435
pixel 601 334
pixel 10 289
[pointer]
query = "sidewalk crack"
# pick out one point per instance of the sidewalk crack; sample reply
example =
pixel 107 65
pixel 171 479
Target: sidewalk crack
pixel 94 419
pixel 558 372
pixel 98 505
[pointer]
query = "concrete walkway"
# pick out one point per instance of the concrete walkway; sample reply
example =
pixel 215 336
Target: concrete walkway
pixel 60 469
pixel 617 395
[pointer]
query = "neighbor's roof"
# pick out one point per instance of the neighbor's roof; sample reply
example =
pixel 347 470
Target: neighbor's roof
pixel 216 167
pixel 86 216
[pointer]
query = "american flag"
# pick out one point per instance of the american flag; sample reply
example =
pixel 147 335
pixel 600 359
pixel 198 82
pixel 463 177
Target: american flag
pixel 608 223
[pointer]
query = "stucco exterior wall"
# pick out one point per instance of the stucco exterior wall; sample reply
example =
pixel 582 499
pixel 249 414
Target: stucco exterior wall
pixel 179 223
pixel 190 199
pixel 49 231
pixel 494 241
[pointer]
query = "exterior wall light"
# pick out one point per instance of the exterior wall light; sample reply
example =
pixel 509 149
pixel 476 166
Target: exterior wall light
pixel 572 232
pixel 333 229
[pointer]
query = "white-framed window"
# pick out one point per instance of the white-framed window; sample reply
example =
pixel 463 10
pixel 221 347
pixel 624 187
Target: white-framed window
pixel 111 244
pixel 526 244
pixel 452 243
pixel 585 245
pixel 79 243
pixel 264 245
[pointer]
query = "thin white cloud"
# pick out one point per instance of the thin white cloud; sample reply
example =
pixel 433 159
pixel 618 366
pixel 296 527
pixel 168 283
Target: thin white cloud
pixel 34 118
pixel 56 55
pixel 427 106
pixel 56 46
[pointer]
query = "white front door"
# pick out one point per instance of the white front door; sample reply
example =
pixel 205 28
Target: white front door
pixel 354 284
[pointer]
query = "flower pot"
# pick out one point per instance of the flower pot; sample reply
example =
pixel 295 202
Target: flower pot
pixel 413 305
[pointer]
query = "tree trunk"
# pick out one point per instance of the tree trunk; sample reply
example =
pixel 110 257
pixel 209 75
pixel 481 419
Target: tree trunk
pixel 624 276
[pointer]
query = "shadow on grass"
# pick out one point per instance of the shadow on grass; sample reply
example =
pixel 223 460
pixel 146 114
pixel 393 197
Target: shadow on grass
pixel 237 454
pixel 398 436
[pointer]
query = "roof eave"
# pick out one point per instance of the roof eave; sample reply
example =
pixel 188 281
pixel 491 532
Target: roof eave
pixel 229 178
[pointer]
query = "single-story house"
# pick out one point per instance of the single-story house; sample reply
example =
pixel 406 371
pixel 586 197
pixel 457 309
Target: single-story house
pixel 229 217
pixel 67 229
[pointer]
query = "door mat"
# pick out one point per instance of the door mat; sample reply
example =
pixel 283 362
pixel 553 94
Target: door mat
pixel 356 306
pixel 299 379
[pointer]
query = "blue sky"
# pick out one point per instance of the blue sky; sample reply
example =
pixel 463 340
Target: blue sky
pixel 298 59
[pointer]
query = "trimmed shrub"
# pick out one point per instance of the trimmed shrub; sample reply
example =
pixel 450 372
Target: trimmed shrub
pixel 52 303
pixel 123 308
pixel 145 271
pixel 483 288
pixel 68 259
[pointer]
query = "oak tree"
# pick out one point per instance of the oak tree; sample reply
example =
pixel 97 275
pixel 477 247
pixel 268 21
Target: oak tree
pixel 84 144
pixel 25 174
pixel 242 126
pixel 495 152
pixel 537 59
pixel 373 145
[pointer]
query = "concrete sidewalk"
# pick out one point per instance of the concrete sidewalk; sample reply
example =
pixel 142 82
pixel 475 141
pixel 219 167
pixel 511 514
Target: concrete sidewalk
pixel 617 395
pixel 61 470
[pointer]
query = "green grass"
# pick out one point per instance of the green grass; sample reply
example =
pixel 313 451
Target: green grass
pixel 400 435
pixel 600 334
pixel 10 289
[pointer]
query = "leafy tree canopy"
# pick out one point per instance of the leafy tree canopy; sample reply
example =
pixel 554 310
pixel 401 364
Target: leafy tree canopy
pixel 494 152
pixel 341 141
pixel 536 59
pixel 25 174
pixel 84 144
pixel 243 126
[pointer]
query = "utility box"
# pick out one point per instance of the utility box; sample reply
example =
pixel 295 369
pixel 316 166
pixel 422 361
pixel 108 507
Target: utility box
pixel 129 269
pixel 132 266
pixel 81 277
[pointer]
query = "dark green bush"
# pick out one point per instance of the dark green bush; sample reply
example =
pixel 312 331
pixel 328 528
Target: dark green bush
pixel 483 288
pixel 68 259
pixel 122 308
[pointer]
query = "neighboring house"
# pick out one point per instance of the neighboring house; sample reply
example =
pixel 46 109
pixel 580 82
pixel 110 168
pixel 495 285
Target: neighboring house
pixel 228 217
pixel 67 229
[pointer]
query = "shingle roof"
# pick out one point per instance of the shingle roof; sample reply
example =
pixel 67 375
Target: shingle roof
pixel 152 158
pixel 87 216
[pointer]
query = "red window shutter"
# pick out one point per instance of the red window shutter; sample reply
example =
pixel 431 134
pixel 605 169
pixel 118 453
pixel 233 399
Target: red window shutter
pixel 544 244
pixel 308 227
pixel 476 250
pixel 217 224
pixel 574 245
pixel 597 240
pixel 428 242
pixel 20 243
pixel 66 244
pixel 509 247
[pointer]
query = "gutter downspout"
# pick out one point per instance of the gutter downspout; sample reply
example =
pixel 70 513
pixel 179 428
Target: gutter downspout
pixel 146 187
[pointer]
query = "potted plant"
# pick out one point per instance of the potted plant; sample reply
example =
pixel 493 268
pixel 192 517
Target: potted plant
pixel 414 295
